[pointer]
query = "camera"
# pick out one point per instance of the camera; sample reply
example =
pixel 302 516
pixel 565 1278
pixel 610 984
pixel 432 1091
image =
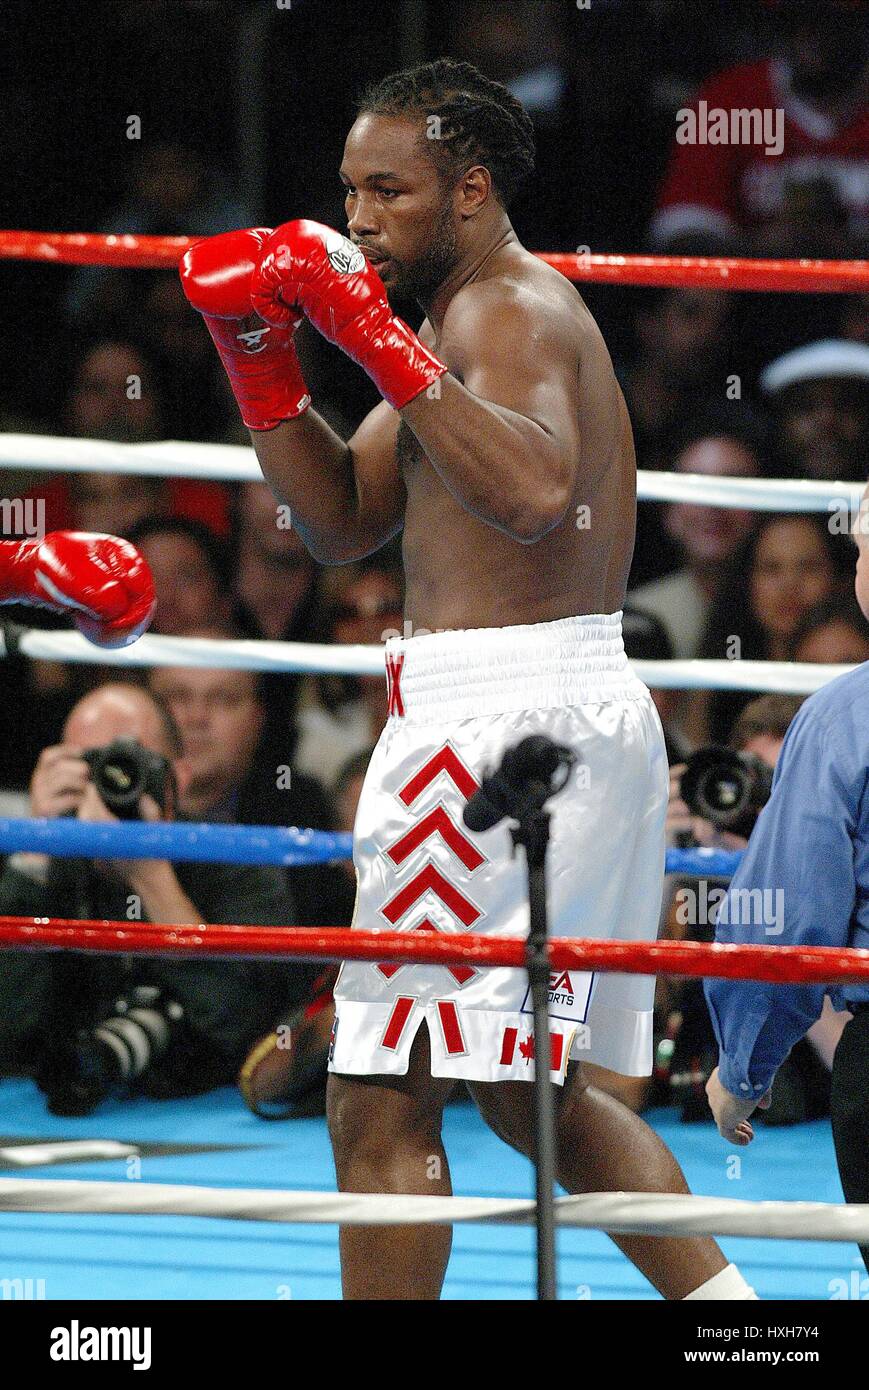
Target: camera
pixel 109 1057
pixel 123 771
pixel 727 788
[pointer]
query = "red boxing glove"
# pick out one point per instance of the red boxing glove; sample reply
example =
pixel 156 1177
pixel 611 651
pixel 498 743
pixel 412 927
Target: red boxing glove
pixel 104 582
pixel 306 266
pixel 260 359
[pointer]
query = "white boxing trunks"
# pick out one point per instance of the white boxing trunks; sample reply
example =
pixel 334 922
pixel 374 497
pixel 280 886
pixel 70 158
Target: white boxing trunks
pixel 457 700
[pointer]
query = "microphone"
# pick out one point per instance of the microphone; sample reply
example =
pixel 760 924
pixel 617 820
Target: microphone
pixel 524 781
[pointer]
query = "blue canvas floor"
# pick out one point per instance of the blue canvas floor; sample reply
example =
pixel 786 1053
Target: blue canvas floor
pixel 161 1257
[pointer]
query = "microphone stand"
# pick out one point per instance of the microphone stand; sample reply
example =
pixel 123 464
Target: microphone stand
pixel 529 775
pixel 532 833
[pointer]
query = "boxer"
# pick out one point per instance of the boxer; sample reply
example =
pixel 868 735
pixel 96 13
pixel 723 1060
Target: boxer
pixel 502 447
pixel 103 582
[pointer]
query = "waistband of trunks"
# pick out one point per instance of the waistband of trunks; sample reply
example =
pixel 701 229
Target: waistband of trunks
pixel 493 670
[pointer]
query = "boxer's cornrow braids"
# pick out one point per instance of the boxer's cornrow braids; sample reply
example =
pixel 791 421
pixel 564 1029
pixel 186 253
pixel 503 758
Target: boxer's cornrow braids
pixel 477 120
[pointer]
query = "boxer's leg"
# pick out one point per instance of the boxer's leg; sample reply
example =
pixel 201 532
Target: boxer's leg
pixel 604 1147
pixel 386 1137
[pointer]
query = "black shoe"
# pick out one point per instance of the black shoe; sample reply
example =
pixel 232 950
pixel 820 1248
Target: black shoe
pixel 73 1098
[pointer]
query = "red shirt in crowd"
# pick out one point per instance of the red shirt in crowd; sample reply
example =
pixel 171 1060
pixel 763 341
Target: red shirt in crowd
pixel 730 187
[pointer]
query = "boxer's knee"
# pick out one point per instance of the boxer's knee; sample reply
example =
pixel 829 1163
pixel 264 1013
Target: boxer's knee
pixel 508 1109
pixel 357 1114
pixel 378 1125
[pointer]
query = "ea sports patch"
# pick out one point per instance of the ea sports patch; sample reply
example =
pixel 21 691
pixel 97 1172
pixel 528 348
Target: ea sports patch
pixel 569 992
pixel 343 256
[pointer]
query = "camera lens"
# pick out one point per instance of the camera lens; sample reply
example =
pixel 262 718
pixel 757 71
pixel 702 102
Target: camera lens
pixel 721 793
pixel 718 785
pixel 118 775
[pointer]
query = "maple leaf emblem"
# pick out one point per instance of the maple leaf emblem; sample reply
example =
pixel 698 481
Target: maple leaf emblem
pixel 526 1047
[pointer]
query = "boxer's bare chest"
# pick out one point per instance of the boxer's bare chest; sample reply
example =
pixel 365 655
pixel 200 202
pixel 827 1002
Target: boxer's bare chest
pixel 408 451
pixel 459 571
pixel 429 501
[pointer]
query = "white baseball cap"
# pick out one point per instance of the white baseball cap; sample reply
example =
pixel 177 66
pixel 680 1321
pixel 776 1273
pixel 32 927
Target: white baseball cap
pixel 828 357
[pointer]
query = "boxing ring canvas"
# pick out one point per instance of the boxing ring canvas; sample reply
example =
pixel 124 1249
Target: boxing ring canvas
pixel 170 1257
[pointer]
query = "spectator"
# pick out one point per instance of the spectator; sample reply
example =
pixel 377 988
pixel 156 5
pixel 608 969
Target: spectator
pixel 241 770
pixel 197 403
pixel 285 1072
pixel 116 393
pixel 345 715
pixel 191 574
pixel 45 1000
pixel 276 578
pixel 646 639
pixel 174 192
pixel 758 732
pixel 346 794
pixel 528 49
pixel 705 537
pixel 114 503
pixel 119 393
pixel 803 1086
pixel 834 632
pixel 739 185
pixel 788 564
pixel 820 393
pixel 812 221
pixel 683 338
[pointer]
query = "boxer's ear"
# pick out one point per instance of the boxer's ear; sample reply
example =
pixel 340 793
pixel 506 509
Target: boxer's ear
pixel 474 191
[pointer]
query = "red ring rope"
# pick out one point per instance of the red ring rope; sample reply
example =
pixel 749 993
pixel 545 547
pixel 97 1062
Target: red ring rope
pixel 778 964
pixel 716 272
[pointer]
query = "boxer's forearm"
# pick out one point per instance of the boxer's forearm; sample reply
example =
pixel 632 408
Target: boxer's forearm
pixel 310 467
pixel 501 466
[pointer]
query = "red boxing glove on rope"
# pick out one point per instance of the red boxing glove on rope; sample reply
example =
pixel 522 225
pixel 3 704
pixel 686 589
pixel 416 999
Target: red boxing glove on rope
pixel 313 269
pixel 103 582
pixel 260 359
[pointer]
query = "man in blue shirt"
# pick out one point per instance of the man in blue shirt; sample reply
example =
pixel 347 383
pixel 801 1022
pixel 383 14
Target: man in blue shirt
pixel 804 880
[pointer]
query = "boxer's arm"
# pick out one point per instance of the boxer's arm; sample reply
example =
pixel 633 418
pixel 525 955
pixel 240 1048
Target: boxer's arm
pixel 501 427
pixel 346 498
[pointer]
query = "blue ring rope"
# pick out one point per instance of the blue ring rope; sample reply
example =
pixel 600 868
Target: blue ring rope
pixel 241 844
pixel 177 840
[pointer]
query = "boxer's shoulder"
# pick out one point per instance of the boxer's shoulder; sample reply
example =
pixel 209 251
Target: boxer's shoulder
pixel 514 302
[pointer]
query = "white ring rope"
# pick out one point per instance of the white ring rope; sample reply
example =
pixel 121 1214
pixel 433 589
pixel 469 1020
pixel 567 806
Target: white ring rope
pixel 205 652
pixel 237 463
pixel 750 494
pixel 649 1213
pixel 782 677
pixel 171 458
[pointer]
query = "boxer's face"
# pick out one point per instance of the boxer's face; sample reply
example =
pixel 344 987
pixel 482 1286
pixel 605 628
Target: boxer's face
pixel 399 209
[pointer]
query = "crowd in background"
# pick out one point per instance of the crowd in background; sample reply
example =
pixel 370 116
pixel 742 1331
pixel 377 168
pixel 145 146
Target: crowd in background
pixel 717 383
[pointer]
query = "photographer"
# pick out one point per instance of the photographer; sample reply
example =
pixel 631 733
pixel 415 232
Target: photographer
pixel 687 1049
pixel 811 848
pixel 94 1024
